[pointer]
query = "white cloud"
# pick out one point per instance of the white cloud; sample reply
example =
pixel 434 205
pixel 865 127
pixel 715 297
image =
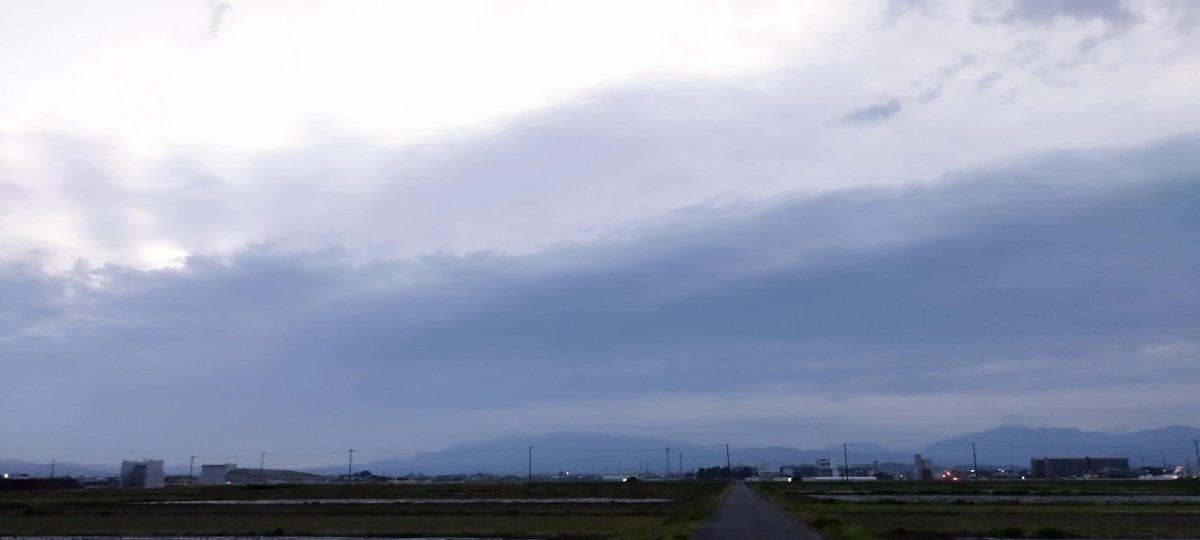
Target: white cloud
pixel 297 124
pixel 147 73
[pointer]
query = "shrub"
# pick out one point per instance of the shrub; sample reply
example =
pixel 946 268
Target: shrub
pixel 1007 532
pixel 1051 532
pixel 824 522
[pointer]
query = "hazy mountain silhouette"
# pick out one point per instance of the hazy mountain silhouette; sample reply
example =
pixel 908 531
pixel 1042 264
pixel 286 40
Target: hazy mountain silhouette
pixel 61 468
pixel 607 454
pixel 592 453
pixel 581 453
pixel 1017 444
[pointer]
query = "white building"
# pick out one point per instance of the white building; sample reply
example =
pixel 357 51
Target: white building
pixel 215 475
pixel 142 474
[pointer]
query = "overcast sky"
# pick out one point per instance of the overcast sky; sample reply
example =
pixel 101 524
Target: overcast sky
pixel 298 227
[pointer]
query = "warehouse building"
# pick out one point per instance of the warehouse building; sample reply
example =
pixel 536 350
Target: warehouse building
pixel 215 475
pixel 1084 467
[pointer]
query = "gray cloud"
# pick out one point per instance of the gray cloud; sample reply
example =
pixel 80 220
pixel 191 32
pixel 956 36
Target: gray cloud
pixel 874 113
pixel 216 12
pixel 1112 12
pixel 1058 272
pixel 1186 16
pixel 985 82
pixel 898 8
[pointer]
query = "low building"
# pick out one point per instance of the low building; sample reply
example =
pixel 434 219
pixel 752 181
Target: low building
pixel 215 475
pixel 822 468
pixel 1084 467
pixel 142 474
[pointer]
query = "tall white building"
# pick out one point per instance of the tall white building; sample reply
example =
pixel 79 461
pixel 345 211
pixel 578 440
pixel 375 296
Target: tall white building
pixel 920 465
pixel 142 474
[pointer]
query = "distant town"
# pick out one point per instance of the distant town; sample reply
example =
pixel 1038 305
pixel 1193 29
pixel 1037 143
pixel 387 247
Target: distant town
pixel 1008 453
pixel 149 474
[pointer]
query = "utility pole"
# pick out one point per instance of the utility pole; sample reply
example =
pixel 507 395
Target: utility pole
pixel 846 461
pixel 529 478
pixel 52 467
pixel 667 470
pixel 191 468
pixel 681 464
pixel 975 460
pixel 727 465
pixel 1196 447
pixel 262 459
pixel 350 467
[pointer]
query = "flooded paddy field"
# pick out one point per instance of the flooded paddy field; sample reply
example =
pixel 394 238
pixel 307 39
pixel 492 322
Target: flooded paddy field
pixel 550 510
pixel 463 500
pixel 240 538
pixel 995 509
pixel 1010 499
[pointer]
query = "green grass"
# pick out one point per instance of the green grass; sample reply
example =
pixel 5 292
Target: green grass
pixel 966 513
pixel 118 512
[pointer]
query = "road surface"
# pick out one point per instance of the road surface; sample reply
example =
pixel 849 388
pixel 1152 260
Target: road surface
pixel 744 515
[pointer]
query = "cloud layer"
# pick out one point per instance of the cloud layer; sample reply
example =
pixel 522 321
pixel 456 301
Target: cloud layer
pixel 880 94
pixel 1046 277
pixel 400 226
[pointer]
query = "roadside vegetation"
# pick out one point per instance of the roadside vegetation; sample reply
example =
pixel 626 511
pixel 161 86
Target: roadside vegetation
pixel 558 510
pixel 993 509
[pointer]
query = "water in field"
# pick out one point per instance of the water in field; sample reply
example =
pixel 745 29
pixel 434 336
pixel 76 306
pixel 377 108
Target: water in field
pixel 1030 499
pixel 238 538
pixel 565 500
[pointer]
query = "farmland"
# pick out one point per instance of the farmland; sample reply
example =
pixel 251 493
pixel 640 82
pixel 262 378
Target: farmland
pixel 613 510
pixel 1006 509
pixel 498 510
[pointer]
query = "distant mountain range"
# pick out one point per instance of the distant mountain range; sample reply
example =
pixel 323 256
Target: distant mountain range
pixel 61 468
pixel 581 453
pixel 1175 445
pixel 590 453
pixel 605 454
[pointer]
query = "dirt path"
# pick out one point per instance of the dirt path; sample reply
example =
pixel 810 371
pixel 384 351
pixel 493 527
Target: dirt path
pixel 744 515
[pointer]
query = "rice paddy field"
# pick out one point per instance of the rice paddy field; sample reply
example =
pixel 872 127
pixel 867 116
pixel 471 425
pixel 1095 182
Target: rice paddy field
pixel 551 510
pixel 605 510
pixel 995 509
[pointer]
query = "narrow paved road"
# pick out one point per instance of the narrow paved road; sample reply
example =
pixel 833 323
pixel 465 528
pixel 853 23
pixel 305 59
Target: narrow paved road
pixel 744 515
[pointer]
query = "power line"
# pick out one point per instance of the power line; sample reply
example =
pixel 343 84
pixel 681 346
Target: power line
pixel 1106 446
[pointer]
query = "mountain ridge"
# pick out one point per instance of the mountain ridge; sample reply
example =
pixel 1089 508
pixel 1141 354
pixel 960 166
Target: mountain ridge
pixel 604 454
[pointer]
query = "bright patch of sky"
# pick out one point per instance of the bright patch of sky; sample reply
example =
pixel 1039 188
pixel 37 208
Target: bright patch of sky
pixel 293 102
